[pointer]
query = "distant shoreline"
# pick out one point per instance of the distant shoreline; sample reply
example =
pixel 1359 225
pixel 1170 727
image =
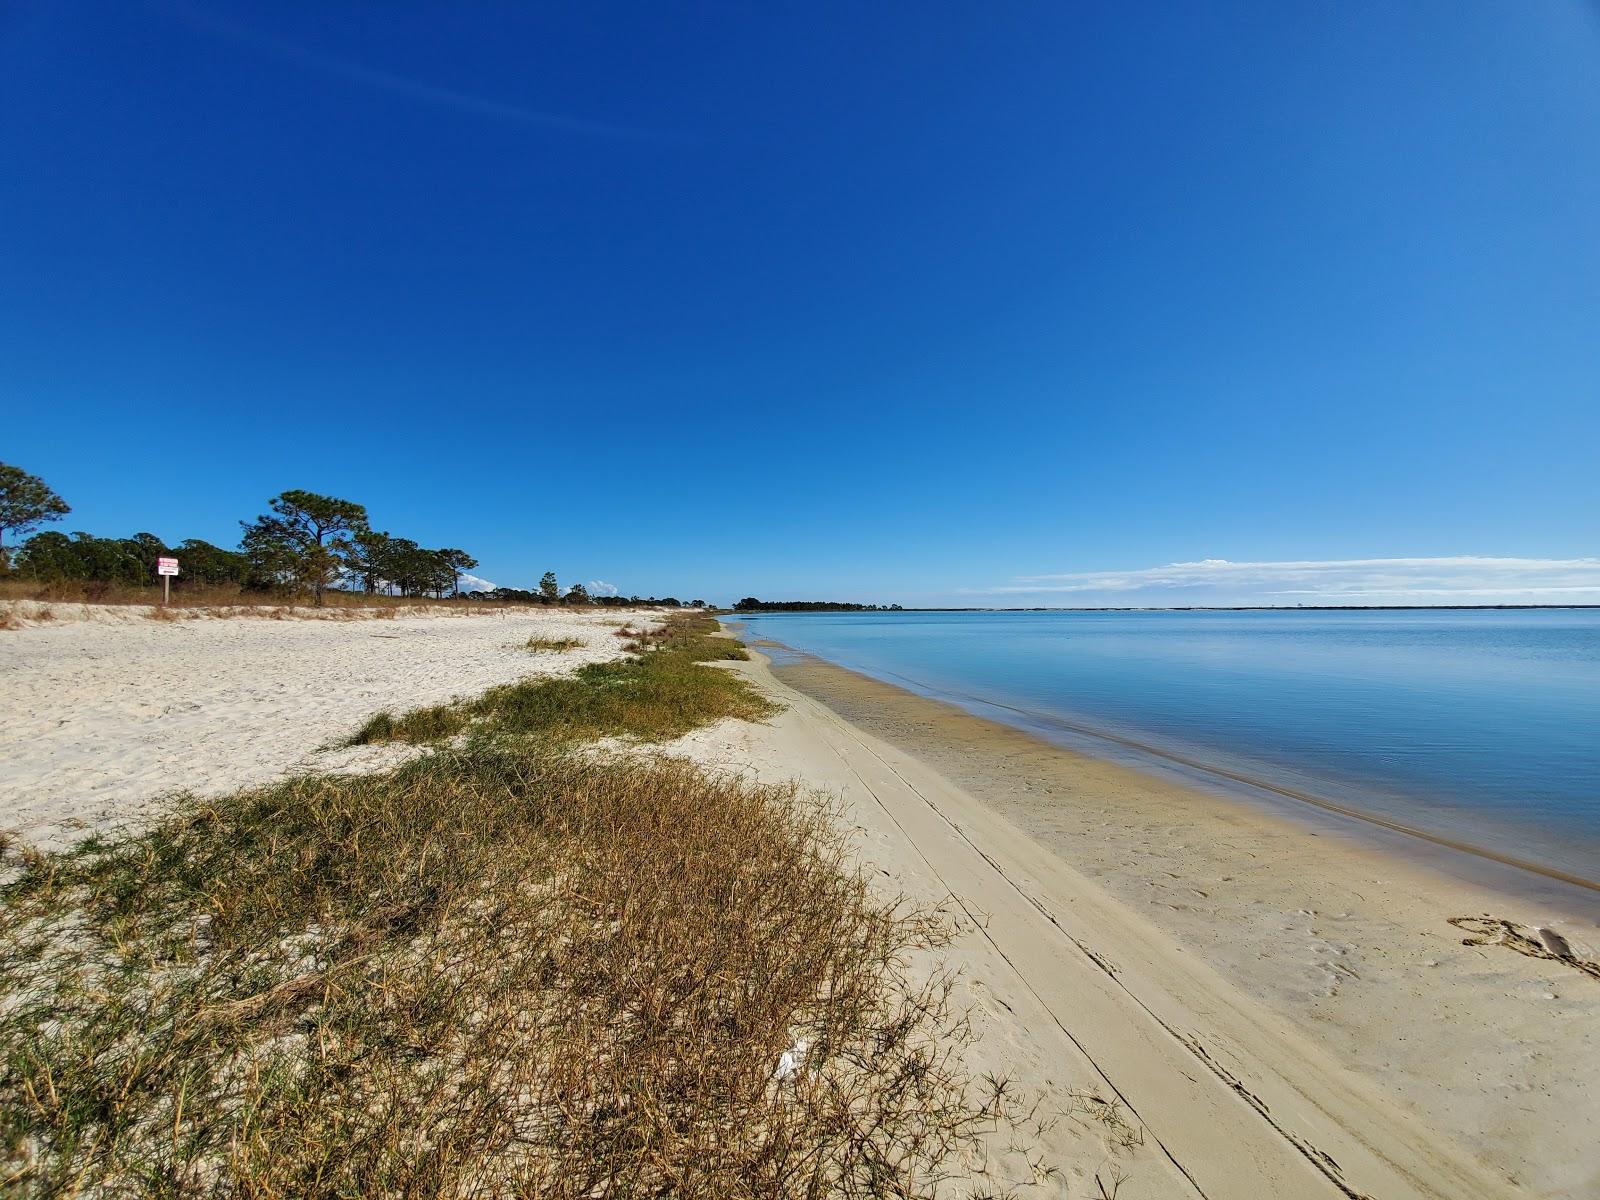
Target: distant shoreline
pixel 1188 608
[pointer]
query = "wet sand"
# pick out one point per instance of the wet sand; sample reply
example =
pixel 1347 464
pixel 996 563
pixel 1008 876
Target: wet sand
pixel 1339 929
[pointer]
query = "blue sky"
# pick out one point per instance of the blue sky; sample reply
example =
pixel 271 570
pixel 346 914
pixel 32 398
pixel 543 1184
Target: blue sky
pixel 1026 303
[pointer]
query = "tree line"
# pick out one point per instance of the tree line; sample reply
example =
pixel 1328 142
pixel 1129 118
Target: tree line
pixel 305 543
pixel 549 592
pixel 53 557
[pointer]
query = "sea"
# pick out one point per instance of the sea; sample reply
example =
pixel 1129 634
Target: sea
pixel 1480 727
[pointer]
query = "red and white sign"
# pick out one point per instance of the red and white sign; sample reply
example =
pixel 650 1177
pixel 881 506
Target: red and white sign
pixel 166 566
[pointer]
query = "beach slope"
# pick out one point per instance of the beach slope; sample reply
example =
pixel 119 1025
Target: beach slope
pixel 1076 993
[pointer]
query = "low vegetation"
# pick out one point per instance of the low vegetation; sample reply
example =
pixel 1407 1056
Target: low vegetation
pixel 543 645
pixel 662 691
pixel 419 725
pixel 505 968
pixel 221 598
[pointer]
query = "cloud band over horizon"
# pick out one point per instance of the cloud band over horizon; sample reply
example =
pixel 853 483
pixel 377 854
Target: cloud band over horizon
pixel 1467 579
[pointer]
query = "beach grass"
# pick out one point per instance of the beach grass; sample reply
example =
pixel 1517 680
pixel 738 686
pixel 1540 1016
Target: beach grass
pixel 544 645
pixel 430 724
pixel 662 690
pixel 509 967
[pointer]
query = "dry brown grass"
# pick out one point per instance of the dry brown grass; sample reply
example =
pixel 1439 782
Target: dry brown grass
pixel 215 601
pixel 509 973
pixel 541 645
pixel 235 600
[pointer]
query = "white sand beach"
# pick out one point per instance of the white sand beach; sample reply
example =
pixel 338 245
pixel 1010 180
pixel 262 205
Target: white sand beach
pixel 105 709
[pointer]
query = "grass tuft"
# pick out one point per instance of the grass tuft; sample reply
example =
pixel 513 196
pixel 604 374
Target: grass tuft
pixel 417 726
pixel 541 645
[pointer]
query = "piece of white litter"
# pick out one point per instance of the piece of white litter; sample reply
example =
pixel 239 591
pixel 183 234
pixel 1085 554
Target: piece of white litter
pixel 789 1061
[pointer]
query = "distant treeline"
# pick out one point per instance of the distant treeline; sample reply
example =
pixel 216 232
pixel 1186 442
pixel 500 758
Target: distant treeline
pixel 578 594
pixel 751 604
pixel 306 543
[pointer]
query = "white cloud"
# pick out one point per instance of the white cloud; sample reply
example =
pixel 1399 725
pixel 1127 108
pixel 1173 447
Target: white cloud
pixel 1465 579
pixel 599 587
pixel 472 583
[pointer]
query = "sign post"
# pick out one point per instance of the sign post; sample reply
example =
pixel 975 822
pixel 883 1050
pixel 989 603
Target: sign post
pixel 166 568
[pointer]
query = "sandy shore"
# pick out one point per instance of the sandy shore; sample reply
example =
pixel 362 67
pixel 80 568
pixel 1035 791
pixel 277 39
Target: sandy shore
pixel 1278 1008
pixel 1206 998
pixel 104 710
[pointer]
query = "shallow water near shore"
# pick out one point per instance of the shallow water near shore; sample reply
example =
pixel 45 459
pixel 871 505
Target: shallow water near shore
pixel 1479 727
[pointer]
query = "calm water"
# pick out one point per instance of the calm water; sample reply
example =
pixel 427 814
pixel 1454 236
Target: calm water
pixel 1480 726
